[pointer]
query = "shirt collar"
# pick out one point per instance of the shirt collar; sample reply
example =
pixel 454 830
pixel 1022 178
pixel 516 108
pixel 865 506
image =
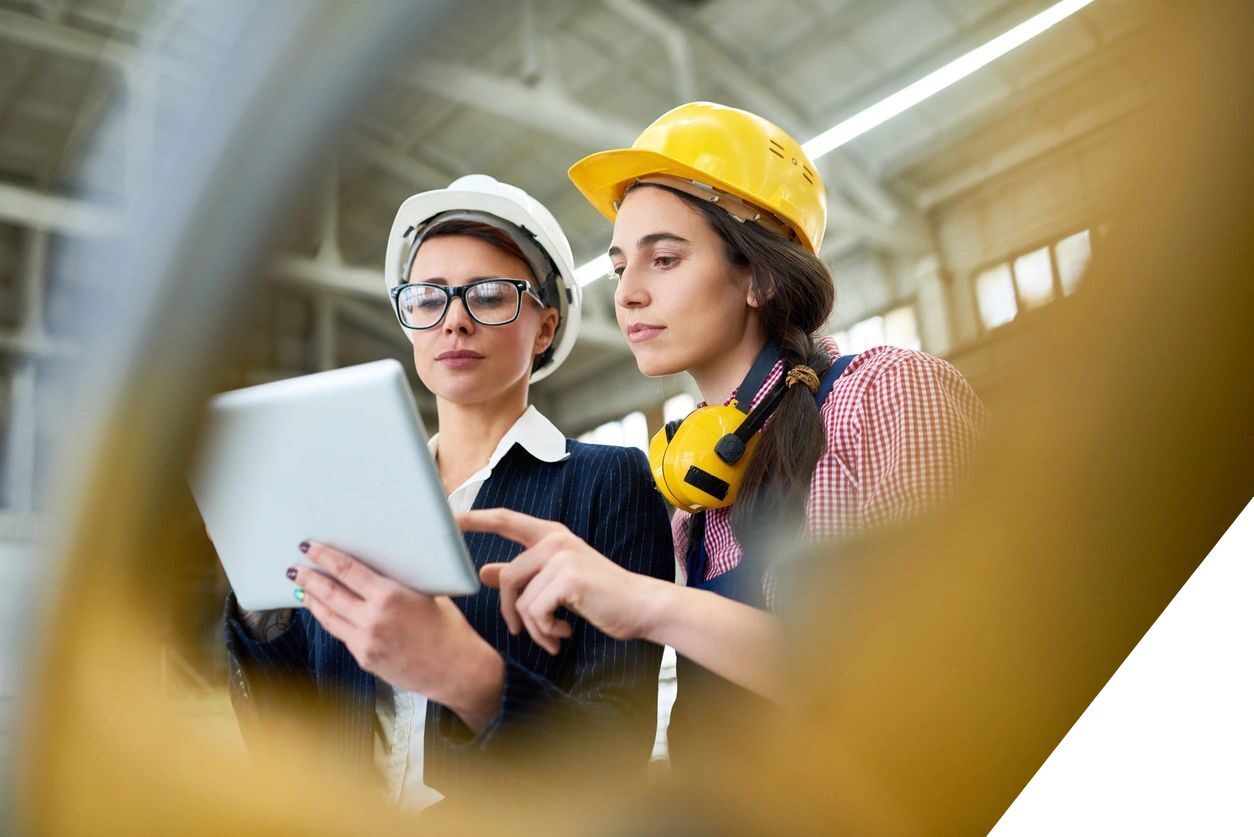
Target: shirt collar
pixel 826 343
pixel 537 435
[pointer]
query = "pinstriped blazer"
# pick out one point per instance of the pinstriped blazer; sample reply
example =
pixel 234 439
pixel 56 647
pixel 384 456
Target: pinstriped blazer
pixel 595 689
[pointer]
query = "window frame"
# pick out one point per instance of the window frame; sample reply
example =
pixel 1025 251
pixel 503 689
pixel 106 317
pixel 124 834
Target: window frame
pixel 1009 259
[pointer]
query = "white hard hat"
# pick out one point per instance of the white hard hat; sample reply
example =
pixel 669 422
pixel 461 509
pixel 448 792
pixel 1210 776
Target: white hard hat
pixel 476 196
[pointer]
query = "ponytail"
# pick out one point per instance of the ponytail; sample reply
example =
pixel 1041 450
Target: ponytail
pixel 777 481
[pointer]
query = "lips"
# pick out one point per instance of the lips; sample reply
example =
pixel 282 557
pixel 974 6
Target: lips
pixel 458 358
pixel 640 332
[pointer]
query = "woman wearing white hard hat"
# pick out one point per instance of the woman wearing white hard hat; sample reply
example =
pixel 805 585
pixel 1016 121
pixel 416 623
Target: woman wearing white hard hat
pixel 480 277
pixel 718 220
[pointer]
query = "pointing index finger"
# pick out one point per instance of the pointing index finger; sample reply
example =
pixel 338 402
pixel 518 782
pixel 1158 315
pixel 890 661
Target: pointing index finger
pixel 515 526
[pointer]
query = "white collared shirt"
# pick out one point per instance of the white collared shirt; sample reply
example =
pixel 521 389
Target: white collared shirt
pixel 403 714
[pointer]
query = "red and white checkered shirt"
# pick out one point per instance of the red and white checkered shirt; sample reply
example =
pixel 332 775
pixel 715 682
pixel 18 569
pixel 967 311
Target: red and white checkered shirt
pixel 901 426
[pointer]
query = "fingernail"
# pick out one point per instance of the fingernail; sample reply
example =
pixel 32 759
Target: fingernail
pixel 298 594
pixel 304 546
pixel 291 573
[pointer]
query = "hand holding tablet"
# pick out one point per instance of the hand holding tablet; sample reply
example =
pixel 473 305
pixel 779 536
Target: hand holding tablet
pixel 339 458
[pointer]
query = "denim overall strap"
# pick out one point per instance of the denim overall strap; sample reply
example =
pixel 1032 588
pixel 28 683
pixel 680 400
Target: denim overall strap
pixel 756 376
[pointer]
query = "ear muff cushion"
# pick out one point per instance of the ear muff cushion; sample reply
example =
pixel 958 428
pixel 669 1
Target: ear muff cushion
pixel 658 447
pixel 671 427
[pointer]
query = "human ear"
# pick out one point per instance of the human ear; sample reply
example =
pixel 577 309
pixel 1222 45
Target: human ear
pixel 546 332
pixel 752 297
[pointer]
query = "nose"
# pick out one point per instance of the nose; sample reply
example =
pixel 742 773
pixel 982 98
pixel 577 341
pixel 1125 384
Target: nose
pixel 457 319
pixel 631 291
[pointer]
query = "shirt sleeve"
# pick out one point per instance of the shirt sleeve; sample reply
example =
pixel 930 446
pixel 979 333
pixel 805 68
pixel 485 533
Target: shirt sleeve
pixel 897 447
pixel 919 425
pixel 681 524
pixel 611 698
pixel 265 676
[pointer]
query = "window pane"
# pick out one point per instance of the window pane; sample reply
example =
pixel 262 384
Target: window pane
pixel 632 431
pixel 1073 254
pixel 1035 278
pixel 6 421
pixel 636 431
pixel 863 335
pixel 901 328
pixel 995 295
pixel 610 433
pixel 678 407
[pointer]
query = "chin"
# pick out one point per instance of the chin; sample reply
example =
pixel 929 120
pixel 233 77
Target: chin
pixel 478 387
pixel 658 364
pixel 459 388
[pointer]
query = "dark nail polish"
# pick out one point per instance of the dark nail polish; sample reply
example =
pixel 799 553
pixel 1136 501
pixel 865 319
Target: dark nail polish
pixel 291 573
pixel 304 546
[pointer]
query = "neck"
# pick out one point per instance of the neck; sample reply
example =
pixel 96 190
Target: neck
pixel 720 376
pixel 469 433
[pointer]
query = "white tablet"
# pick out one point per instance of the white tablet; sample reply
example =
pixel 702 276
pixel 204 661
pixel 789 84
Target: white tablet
pixel 338 457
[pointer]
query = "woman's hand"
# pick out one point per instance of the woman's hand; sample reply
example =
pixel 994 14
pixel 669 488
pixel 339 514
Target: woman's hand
pixel 558 569
pixel 412 641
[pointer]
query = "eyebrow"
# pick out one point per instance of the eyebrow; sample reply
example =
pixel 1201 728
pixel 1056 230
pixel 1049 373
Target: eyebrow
pixel 648 240
pixel 440 280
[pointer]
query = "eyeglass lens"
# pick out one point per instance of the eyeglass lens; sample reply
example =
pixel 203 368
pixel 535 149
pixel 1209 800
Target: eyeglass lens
pixel 490 303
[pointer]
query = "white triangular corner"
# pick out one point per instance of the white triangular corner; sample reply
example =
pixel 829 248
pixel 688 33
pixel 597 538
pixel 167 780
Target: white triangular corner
pixel 1167 747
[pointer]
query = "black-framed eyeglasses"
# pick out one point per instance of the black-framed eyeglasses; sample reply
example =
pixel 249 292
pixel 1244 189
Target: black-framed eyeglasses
pixel 490 302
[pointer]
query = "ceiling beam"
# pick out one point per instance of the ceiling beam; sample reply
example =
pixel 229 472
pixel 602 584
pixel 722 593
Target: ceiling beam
pixel 544 107
pixel 88 117
pixel 419 174
pixel 42 211
pixel 42 35
pixel 1118 52
pixel 351 281
pixel 375 319
pixel 828 29
pixel 64 40
pixel 963 41
pixel 673 36
pixel 1037 145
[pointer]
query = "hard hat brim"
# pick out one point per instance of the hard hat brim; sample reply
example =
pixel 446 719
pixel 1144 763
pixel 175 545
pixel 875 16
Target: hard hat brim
pixel 603 177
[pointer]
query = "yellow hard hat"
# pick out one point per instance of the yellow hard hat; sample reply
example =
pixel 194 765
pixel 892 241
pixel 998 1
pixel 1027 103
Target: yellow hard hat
pixel 731 150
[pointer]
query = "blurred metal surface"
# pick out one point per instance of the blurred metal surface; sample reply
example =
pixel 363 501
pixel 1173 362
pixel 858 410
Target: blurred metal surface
pixel 203 209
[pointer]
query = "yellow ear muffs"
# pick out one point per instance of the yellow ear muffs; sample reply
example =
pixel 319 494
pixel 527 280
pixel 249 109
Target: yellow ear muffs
pixel 698 463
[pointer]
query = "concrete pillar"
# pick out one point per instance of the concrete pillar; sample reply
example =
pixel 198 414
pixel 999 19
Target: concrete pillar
pixel 19 438
pixel 933 306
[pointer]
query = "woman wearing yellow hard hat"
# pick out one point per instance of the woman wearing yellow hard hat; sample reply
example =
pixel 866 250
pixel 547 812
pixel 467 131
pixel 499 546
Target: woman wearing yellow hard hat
pixel 718 219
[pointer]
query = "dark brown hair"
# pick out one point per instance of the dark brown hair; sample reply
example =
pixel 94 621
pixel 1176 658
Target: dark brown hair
pixel 795 292
pixel 501 241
